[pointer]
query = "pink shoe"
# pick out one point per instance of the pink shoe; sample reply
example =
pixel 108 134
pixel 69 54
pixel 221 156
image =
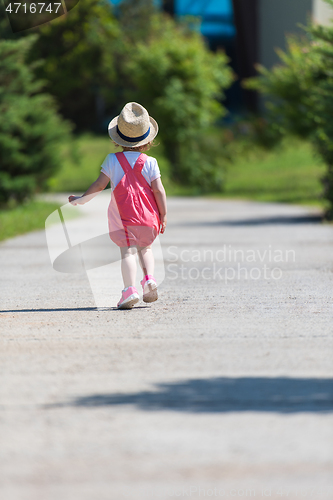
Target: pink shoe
pixel 129 297
pixel 149 287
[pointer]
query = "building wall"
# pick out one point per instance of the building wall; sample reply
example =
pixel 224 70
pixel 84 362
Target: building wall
pixel 322 12
pixel 276 19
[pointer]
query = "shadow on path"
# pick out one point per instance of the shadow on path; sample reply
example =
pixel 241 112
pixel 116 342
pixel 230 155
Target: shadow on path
pixel 259 221
pixel 62 309
pixel 59 309
pixel 225 394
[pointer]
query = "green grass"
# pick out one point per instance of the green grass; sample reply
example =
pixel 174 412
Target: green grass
pixel 290 173
pixel 81 163
pixel 82 160
pixel 24 218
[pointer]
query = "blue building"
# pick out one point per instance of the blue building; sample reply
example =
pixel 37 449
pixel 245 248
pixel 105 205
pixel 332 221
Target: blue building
pixel 249 31
pixel 217 25
pixel 217 19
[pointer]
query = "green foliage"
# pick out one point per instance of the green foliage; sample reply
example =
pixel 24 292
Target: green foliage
pixel 5 29
pixel 299 95
pixel 81 169
pixel 181 83
pixel 135 19
pixel 30 129
pixel 29 216
pixel 204 163
pixel 94 62
pixel 78 54
pixel 288 173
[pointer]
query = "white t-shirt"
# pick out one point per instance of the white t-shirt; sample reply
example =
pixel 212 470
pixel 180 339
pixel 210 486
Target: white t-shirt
pixel 112 168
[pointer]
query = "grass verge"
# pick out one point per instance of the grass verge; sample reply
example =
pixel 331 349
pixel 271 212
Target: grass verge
pixel 24 218
pixel 82 159
pixel 289 173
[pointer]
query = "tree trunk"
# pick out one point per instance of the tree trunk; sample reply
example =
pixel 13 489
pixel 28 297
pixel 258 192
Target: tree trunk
pixel 246 21
pixel 169 6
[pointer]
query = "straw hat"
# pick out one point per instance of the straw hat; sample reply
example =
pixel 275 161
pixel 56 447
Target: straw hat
pixel 133 127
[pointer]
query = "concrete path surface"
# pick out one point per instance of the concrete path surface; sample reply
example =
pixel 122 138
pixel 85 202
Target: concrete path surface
pixel 220 389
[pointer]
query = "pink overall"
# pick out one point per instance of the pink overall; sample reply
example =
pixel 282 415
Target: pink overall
pixel 133 214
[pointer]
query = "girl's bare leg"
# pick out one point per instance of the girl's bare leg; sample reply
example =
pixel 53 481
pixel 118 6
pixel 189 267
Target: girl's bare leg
pixel 128 265
pixel 146 260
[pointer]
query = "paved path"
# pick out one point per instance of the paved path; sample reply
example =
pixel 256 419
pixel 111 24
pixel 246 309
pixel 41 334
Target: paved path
pixel 221 389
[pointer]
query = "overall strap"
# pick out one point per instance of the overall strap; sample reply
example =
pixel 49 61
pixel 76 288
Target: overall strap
pixel 137 170
pixel 138 166
pixel 124 162
pixel 140 163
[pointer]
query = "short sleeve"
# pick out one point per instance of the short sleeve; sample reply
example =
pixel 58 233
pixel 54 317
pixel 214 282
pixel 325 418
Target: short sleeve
pixel 105 168
pixel 154 171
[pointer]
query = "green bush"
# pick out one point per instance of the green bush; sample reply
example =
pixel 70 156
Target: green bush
pixel 181 83
pixel 78 61
pixel 93 62
pixel 30 129
pixel 299 94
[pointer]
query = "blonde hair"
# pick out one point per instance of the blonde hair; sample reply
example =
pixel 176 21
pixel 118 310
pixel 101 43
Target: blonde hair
pixel 144 147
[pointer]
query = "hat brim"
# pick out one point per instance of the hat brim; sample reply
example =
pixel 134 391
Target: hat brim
pixel 112 129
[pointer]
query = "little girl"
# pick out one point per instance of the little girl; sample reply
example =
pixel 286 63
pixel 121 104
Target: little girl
pixel 137 212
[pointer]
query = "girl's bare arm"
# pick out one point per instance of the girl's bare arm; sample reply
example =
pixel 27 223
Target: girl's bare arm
pixel 95 188
pixel 160 197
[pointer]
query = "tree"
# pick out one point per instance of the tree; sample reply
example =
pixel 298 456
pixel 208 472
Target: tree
pixel 78 54
pixel 181 83
pixel 299 94
pixel 95 62
pixel 30 128
pixel 5 28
